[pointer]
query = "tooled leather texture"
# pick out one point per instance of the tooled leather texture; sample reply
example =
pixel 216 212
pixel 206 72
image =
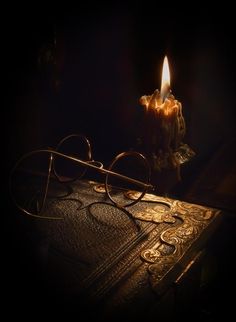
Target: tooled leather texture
pixel 95 250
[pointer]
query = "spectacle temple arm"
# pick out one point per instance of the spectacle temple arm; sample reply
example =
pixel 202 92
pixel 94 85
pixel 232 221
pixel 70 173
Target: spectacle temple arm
pixel 100 168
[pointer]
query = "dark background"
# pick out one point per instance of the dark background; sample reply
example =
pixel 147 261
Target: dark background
pixel 82 70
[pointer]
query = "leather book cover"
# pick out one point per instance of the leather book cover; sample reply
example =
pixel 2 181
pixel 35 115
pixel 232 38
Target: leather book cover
pixel 118 258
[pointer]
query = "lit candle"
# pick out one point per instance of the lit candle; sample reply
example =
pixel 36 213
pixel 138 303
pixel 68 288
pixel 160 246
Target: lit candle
pixel 164 122
pixel 165 80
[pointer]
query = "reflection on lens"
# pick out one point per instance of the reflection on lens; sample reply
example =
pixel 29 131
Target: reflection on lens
pixel 76 146
pixel 30 180
pixel 133 172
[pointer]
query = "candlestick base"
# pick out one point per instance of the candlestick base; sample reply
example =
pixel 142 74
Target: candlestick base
pixel 166 166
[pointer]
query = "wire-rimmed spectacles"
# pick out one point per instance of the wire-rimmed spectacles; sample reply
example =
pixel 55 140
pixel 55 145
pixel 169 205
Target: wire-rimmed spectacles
pixel 35 172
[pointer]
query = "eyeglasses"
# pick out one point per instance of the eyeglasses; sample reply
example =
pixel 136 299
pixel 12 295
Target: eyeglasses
pixel 35 177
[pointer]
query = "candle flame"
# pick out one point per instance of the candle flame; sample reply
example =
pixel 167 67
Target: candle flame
pixel 165 80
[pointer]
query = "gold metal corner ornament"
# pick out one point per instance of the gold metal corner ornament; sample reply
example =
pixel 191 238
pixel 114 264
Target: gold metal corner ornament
pixel 179 237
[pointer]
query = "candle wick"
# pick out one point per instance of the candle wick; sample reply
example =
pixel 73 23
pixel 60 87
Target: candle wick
pixel 165 91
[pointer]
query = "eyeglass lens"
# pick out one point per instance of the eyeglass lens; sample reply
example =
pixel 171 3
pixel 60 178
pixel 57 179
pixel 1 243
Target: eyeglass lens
pixel 76 146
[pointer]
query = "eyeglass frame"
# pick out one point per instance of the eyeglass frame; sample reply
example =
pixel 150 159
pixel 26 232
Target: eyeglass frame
pixel 88 164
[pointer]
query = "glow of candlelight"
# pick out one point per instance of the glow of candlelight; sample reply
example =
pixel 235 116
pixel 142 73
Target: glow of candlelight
pixel 165 80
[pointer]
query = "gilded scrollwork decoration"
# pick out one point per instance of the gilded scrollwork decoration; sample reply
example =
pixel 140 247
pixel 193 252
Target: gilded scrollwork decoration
pixel 179 235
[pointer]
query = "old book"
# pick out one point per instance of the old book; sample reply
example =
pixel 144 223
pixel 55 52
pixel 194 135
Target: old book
pixel 121 262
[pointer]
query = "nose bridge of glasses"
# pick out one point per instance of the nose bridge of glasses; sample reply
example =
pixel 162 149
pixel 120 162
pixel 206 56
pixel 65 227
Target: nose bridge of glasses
pixel 96 164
